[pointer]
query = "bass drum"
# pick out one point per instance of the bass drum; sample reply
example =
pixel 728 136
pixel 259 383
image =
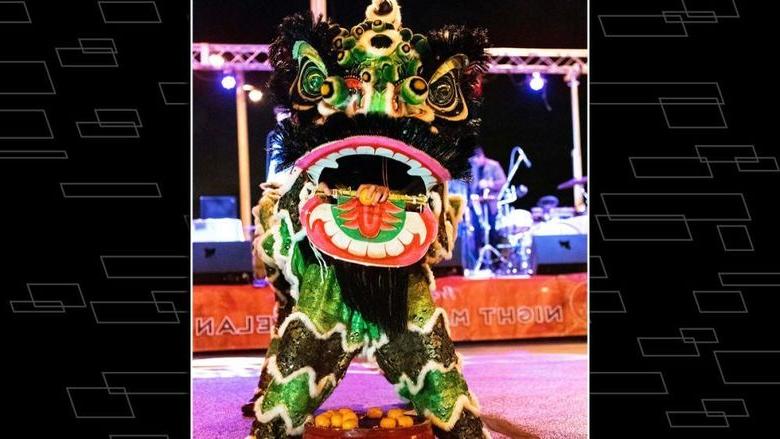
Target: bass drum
pixel 577 225
pixel 514 221
pixel 579 222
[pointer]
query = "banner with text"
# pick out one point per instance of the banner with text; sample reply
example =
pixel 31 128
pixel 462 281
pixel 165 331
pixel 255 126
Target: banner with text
pixel 228 317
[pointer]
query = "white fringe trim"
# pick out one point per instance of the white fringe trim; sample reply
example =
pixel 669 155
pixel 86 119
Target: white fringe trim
pixel 415 386
pixel 431 277
pixel 281 260
pixel 373 346
pixel 315 387
pixel 428 326
pixel 463 402
pixel 468 402
pixel 338 328
pixel 281 412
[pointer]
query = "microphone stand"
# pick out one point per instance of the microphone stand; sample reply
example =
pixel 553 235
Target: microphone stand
pixel 514 165
pixel 487 247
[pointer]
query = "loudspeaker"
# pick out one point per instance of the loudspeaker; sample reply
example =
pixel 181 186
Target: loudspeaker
pixel 452 266
pixel 559 253
pixel 229 262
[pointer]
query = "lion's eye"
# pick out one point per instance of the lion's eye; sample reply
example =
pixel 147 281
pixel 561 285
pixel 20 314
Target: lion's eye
pixel 311 75
pixel 445 96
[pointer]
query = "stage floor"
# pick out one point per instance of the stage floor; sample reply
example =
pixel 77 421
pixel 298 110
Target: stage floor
pixel 534 386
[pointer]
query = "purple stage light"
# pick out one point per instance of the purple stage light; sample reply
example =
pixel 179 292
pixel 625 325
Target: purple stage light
pixel 537 82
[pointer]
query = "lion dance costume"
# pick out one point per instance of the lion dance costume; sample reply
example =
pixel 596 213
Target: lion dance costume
pixel 382 118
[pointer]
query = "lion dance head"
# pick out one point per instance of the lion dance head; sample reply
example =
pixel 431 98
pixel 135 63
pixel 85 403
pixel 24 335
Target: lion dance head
pixel 381 119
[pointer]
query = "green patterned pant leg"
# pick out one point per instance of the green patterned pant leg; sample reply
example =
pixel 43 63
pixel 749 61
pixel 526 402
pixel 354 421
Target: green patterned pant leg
pixel 283 310
pixel 422 365
pixel 302 374
pixel 316 343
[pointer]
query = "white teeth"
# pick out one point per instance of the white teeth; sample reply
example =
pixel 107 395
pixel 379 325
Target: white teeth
pixel 405 237
pixel 418 172
pixel 400 157
pixel 341 240
pixel 327 163
pixel 357 248
pixel 376 251
pixel 416 169
pixel 314 172
pixel 331 228
pixel 394 247
pixel 414 224
pixel 430 181
pixel 384 152
pixel 435 203
pixel 322 212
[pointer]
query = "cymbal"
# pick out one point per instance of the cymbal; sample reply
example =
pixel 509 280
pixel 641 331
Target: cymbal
pixel 573 182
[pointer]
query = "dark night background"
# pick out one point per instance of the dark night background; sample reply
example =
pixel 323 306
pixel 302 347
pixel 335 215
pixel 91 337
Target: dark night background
pixel 512 113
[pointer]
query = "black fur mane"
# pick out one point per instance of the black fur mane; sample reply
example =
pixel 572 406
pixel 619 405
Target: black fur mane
pixel 451 146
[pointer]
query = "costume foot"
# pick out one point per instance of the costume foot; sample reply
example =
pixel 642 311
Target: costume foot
pixel 248 409
pixel 467 427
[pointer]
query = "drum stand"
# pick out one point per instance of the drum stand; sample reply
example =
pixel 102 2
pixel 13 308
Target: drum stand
pixel 486 248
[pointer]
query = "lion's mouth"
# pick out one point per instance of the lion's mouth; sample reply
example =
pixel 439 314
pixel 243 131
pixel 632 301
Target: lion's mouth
pixel 393 233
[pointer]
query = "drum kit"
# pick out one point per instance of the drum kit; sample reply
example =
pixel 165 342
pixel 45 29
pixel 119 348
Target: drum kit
pixel 511 252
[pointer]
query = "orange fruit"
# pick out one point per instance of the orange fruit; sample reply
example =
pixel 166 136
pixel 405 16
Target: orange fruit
pixel 405 421
pixel 374 413
pixel 387 423
pixel 322 421
pixel 349 423
pixel 395 413
pixel 335 420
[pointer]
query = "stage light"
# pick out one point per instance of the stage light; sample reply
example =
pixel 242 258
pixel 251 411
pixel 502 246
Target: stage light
pixel 229 82
pixel 255 95
pixel 216 61
pixel 537 82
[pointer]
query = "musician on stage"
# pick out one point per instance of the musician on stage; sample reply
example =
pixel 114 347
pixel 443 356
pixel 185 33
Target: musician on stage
pixel 487 178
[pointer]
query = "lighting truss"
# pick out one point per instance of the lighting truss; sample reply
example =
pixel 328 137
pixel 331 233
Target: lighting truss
pixel 503 60
pixel 239 58
pixel 510 60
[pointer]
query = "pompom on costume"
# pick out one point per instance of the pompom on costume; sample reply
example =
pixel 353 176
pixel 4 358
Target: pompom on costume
pixel 382 118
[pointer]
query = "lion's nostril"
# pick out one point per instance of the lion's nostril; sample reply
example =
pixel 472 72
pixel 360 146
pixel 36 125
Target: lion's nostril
pixel 381 41
pixel 384 8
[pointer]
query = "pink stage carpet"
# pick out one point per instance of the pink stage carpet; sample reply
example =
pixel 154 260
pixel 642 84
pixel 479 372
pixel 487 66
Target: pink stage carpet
pixel 540 388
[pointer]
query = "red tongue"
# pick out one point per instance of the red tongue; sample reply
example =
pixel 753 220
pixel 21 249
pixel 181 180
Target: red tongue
pixel 369 220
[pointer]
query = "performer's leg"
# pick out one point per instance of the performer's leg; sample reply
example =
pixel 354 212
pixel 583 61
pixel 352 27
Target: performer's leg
pixel 284 306
pixel 422 365
pixel 303 370
pixel 492 215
